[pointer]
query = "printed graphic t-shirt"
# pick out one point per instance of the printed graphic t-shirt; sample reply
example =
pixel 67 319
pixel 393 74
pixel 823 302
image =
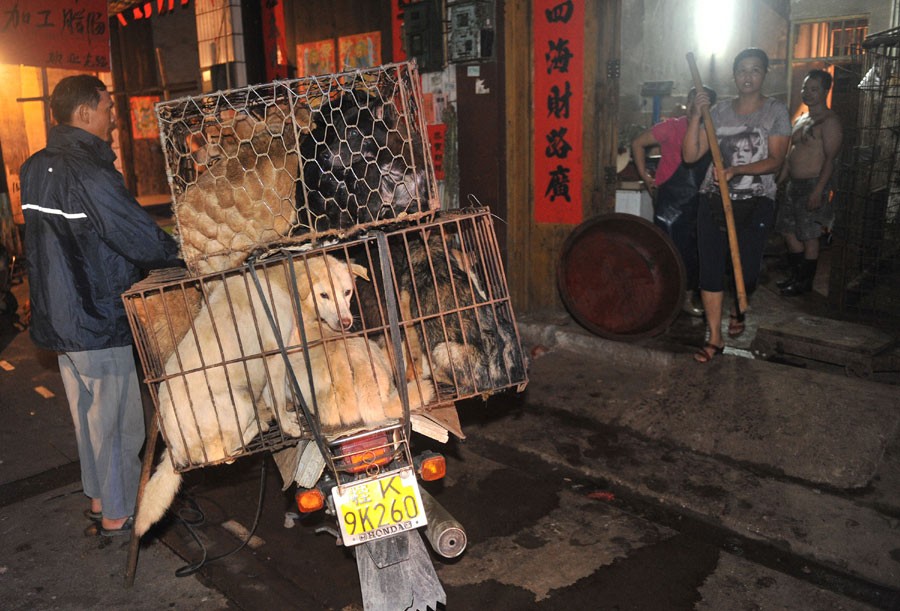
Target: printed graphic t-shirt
pixel 744 139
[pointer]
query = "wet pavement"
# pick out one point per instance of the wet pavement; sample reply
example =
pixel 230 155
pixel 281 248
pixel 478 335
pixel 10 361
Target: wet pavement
pixel 626 477
pixel 45 561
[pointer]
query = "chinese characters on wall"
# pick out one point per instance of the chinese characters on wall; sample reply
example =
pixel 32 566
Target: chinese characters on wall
pixel 558 101
pixel 69 34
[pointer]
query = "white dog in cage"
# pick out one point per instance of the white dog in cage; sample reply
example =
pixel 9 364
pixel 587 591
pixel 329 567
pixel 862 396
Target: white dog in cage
pixel 222 389
pixel 346 380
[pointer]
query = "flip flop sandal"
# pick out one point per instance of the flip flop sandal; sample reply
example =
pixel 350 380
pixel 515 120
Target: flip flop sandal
pixel 124 530
pixel 708 353
pixel 736 326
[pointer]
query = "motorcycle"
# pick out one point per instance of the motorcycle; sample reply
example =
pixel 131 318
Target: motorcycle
pixel 369 484
pixel 367 478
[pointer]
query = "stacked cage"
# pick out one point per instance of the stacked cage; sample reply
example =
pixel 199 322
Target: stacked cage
pixel 324 290
pixel 865 272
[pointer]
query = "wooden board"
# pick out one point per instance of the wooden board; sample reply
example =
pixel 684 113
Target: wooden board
pixel 857 347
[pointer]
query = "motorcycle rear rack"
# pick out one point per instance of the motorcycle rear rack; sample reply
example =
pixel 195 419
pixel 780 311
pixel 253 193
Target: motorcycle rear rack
pixel 374 460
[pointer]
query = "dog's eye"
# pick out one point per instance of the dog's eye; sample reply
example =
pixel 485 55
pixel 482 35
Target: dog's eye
pixel 348 292
pixel 324 295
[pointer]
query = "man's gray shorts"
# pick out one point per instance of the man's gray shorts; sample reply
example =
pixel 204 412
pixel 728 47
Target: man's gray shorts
pixel 793 217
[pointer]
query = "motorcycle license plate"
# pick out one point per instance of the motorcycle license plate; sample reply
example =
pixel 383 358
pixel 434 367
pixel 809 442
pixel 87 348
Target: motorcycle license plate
pixel 379 508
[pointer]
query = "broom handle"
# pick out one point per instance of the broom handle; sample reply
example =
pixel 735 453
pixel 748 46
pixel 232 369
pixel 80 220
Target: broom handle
pixel 723 187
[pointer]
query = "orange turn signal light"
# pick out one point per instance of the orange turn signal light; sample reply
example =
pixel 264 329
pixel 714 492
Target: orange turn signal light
pixel 433 468
pixel 310 500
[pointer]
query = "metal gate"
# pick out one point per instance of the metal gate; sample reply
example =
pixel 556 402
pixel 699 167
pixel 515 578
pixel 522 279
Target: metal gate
pixel 865 272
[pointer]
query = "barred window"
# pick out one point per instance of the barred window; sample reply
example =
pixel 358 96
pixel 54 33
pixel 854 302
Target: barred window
pixel 833 39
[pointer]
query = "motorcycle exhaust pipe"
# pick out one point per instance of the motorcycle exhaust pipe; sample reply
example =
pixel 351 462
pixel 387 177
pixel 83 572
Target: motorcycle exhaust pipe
pixel 445 534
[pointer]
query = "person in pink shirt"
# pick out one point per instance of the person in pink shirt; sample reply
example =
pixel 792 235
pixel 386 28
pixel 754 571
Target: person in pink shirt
pixel 675 185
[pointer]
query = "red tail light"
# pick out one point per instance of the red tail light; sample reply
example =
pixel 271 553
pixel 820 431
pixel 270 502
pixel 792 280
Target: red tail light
pixel 364 453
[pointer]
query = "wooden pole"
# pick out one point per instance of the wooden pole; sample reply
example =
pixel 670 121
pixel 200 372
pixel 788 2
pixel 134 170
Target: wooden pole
pixel 134 543
pixel 723 187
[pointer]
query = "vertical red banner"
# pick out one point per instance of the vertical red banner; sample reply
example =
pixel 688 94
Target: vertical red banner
pixel 397 51
pixel 558 107
pixel 274 40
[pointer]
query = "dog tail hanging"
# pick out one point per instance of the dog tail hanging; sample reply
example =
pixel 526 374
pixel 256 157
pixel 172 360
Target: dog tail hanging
pixel 158 494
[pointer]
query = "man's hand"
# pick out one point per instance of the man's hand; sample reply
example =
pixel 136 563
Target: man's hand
pixel 815 200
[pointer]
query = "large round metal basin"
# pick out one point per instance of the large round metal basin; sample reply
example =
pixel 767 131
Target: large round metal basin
pixel 621 277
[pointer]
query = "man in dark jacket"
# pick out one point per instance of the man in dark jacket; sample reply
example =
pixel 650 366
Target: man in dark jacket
pixel 86 242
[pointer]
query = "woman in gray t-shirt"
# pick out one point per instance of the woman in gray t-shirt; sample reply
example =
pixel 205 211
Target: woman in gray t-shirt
pixel 753 133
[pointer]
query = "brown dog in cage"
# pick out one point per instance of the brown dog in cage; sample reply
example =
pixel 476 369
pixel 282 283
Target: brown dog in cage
pixel 245 193
pixel 353 383
pixel 218 395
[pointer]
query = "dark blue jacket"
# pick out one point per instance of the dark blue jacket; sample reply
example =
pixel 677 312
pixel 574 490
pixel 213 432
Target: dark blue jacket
pixel 86 242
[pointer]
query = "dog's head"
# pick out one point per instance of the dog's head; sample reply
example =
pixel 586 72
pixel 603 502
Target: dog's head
pixel 327 290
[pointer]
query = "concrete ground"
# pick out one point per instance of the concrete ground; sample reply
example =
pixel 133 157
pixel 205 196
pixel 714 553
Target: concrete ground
pixel 45 561
pixel 804 459
pixel 804 456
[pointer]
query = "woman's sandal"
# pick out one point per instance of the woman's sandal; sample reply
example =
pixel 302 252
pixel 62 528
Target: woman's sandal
pixel 736 326
pixel 708 352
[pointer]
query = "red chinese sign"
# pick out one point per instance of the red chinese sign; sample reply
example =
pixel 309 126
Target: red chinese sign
pixel 558 107
pixel 70 34
pixel 437 136
pixel 274 40
pixel 397 7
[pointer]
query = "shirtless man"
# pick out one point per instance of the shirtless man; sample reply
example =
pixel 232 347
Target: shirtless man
pixel 806 211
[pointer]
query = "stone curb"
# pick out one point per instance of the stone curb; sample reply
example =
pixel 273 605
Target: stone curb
pixel 619 353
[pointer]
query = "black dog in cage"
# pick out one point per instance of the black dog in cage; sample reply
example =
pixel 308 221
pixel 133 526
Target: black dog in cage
pixel 362 162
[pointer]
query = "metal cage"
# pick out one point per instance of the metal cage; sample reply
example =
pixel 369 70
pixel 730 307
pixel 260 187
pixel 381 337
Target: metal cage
pixel 296 160
pixel 236 359
pixel 865 268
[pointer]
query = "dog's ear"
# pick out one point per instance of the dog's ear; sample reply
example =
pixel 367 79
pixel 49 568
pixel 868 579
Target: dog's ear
pixel 359 270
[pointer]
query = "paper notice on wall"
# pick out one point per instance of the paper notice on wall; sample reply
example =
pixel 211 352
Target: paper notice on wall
pixel 70 34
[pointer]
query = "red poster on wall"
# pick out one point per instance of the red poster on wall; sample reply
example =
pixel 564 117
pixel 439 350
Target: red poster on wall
pixel 143 118
pixel 70 34
pixel 558 108
pixel 398 52
pixel 274 40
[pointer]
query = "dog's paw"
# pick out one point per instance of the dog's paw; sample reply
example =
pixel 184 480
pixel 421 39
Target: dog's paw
pixel 289 425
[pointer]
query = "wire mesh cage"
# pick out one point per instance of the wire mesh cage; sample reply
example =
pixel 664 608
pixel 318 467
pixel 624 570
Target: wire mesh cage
pixel 295 160
pixel 339 338
pixel 865 268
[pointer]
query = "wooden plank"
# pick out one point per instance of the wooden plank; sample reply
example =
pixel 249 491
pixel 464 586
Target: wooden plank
pixel 604 29
pixel 547 241
pixel 825 334
pixel 519 173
